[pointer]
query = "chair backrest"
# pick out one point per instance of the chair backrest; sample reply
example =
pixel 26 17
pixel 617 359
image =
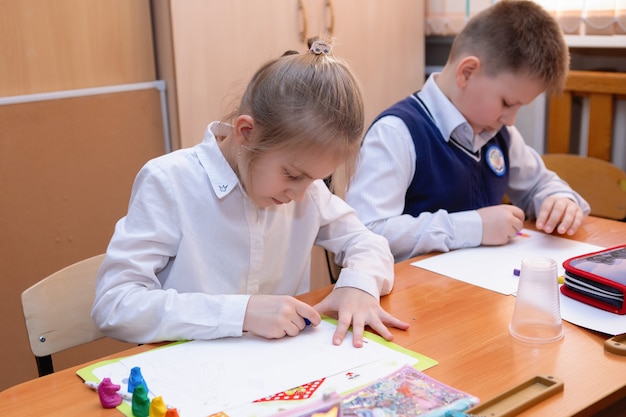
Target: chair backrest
pixel 602 89
pixel 600 182
pixel 57 311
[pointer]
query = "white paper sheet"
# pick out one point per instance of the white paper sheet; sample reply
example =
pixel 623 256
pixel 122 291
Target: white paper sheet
pixel 491 267
pixel 200 378
pixel 593 318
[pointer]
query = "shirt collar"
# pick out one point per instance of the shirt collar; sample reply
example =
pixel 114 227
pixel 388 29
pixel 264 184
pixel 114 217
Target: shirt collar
pixel 449 119
pixel 222 177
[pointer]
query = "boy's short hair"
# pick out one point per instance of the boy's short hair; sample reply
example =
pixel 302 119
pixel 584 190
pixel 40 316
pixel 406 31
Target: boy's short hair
pixel 517 36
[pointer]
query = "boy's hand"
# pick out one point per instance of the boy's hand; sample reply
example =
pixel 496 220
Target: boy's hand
pixel 359 309
pixel 500 223
pixel 561 214
pixel 276 316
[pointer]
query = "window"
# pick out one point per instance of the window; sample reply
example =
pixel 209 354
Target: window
pixel 577 17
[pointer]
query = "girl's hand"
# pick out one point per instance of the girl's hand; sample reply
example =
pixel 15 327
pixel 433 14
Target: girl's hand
pixel 359 309
pixel 276 316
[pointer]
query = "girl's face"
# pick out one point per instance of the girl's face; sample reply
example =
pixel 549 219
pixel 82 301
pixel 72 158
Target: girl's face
pixel 489 102
pixel 282 176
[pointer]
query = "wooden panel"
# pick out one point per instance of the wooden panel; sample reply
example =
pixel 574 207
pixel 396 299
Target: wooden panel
pixel 66 171
pixel 214 62
pixel 602 89
pixel 384 44
pixel 51 45
pixel 600 132
pixel 559 126
pixel 597 82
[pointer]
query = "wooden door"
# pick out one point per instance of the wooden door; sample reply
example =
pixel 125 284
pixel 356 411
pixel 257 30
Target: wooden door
pixel 216 47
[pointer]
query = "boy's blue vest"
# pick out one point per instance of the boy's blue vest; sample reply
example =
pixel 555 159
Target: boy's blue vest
pixel 448 178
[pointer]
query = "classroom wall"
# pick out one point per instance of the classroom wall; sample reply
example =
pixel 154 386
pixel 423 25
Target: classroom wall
pixel 67 164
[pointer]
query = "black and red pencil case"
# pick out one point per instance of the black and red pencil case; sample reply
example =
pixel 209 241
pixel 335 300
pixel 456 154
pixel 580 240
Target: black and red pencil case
pixel 598 279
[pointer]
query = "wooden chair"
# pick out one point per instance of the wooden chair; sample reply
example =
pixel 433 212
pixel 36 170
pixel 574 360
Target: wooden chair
pixel 602 89
pixel 57 311
pixel 600 182
pixel 324 271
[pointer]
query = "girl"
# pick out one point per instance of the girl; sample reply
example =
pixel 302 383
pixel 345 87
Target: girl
pixel 217 239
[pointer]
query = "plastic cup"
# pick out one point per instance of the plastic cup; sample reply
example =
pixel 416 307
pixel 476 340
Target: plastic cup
pixel 537 314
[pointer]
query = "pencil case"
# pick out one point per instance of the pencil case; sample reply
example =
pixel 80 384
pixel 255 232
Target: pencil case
pixel 598 279
pixel 406 392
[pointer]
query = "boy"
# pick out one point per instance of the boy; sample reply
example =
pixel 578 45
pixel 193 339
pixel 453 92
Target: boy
pixel 434 168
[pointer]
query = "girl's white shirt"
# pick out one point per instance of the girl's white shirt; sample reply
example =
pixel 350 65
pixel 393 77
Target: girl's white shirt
pixel 193 247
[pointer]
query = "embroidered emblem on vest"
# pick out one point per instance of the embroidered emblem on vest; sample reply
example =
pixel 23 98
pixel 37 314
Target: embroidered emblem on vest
pixel 495 160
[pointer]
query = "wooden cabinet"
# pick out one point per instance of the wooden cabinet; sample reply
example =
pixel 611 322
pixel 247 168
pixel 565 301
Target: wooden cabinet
pixel 208 49
pixel 69 151
pixel 55 45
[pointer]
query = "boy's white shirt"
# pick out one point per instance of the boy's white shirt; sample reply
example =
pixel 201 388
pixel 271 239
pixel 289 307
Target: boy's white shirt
pixel 193 247
pixel 387 165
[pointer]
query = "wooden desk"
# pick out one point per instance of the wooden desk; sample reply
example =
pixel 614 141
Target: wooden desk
pixel 463 327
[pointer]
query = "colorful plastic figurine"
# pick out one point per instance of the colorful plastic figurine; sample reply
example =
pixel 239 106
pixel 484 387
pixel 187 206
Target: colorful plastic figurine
pixel 172 412
pixel 108 393
pixel 158 407
pixel 140 404
pixel 136 379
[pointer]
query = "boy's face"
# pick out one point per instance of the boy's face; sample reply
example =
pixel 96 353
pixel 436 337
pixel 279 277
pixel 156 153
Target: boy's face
pixel 489 102
pixel 281 176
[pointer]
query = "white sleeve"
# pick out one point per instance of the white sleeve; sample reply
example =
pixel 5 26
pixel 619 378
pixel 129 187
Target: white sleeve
pixel 365 257
pixel 387 164
pixel 131 303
